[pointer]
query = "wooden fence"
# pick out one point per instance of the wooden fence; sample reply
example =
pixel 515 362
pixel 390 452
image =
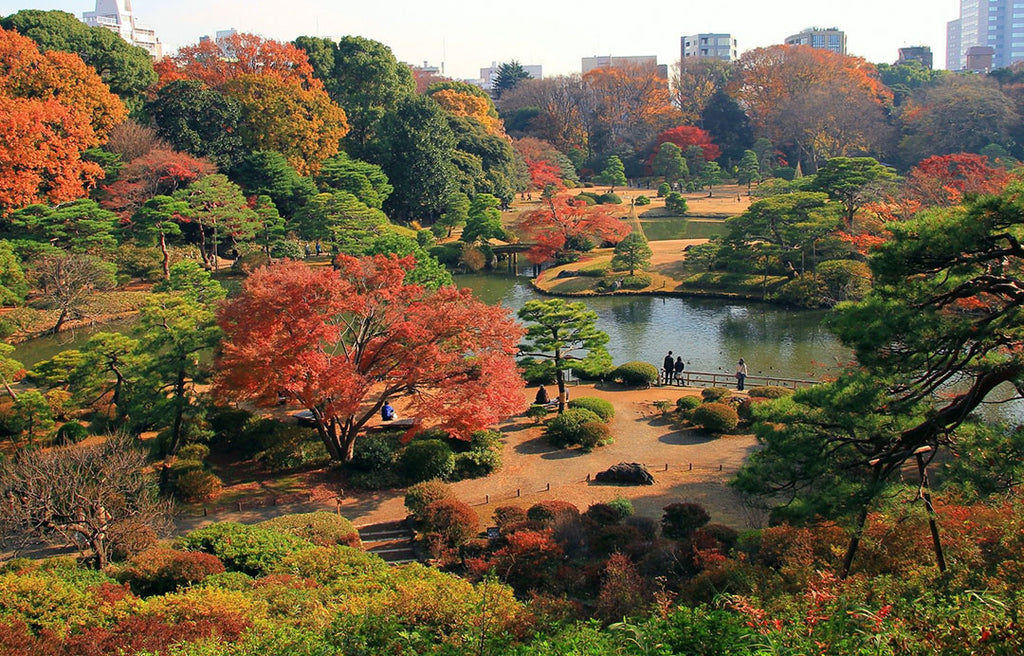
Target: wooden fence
pixel 724 379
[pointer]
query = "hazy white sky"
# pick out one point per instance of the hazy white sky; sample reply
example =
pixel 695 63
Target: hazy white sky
pixel 468 35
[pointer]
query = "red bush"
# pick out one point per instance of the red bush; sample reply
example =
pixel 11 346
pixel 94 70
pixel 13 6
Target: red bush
pixel 451 520
pixel 548 511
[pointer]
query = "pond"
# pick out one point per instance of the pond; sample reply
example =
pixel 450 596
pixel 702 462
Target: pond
pixel 711 335
pixel 43 348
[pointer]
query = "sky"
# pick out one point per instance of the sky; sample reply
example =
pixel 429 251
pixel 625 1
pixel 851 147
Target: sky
pixel 467 36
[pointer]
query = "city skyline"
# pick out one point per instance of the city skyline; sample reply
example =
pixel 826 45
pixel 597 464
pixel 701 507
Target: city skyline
pixel 556 38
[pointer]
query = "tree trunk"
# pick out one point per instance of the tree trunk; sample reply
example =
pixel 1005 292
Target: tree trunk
pixel 179 414
pixel 862 519
pixel 167 256
pixel 60 321
pixel 940 558
pixel 560 379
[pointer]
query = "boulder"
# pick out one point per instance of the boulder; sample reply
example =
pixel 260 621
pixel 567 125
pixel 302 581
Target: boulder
pixel 627 473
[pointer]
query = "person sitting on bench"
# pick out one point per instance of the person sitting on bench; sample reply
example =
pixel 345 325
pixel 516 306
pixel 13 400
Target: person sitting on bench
pixel 542 396
pixel 387 413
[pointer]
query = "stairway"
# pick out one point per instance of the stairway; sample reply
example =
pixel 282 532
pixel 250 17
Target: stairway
pixel 392 541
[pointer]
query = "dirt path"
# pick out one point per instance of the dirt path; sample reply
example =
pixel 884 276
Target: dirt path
pixel 530 466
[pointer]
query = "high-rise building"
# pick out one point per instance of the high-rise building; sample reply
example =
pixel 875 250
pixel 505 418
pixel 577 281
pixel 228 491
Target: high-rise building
pixel 715 46
pixel 117 16
pixel 998 24
pixel 831 38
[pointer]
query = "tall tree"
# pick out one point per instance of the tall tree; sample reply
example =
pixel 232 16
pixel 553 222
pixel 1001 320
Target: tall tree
pixel 415 149
pixel 198 120
pixel 217 204
pixel 614 173
pixel 560 331
pixel 157 219
pixel 509 75
pixel 342 219
pixel 158 172
pixel 265 172
pixel 852 181
pixel 632 104
pixel 946 306
pixel 368 337
pixel 362 76
pixel 68 281
pixel 363 180
pixel 632 253
pixel 80 226
pixel 668 163
pixel 483 221
pixel 52 108
pixel 695 82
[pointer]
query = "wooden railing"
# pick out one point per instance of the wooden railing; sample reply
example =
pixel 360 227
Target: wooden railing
pixel 724 379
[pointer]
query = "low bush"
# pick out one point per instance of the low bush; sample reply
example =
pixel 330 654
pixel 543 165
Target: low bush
pixel 567 430
pixel 623 506
pixel 324 529
pixel 160 570
pixel 537 412
pixel 549 511
pixel 194 485
pixel 600 407
pixel 609 198
pixel 293 447
pixel 421 495
pixel 642 200
pixel 716 417
pixel 664 189
pixel 249 549
pixel 602 514
pixel 478 457
pixel 372 453
pixel 635 374
pixel 769 392
pixel 197 452
pixel 637 281
pixel 711 394
pixel 451 520
pixel 423 460
pixel 675 203
pixel 687 404
pixel 71 432
pixel 593 434
pixel 287 249
pixel 506 517
pixel 680 520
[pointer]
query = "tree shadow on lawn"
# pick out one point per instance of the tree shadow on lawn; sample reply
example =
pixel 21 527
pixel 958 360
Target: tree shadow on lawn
pixel 535 446
pixel 688 437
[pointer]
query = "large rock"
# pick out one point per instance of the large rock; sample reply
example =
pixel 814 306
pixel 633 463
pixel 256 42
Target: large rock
pixel 628 473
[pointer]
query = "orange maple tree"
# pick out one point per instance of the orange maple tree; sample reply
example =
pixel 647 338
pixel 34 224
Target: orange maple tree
pixel 284 107
pixel 459 103
pixel 52 107
pixel 943 180
pixel 562 221
pixel 632 102
pixel 342 342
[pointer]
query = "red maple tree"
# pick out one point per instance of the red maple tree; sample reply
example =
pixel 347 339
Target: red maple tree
pixel 553 226
pixel 341 343
pixel 160 171
pixel 942 180
pixel 685 136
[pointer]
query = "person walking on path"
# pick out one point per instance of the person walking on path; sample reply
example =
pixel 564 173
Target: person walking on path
pixel 741 374
pixel 670 366
pixel 679 368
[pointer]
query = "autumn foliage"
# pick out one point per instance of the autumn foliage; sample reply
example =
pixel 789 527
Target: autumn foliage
pixel 342 342
pixel 685 136
pixel 52 107
pixel 552 227
pixel 943 180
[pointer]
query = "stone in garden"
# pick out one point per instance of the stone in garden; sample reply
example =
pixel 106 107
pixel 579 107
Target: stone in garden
pixel 630 473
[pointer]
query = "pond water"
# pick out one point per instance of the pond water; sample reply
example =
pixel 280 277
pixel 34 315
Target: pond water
pixel 43 348
pixel 711 335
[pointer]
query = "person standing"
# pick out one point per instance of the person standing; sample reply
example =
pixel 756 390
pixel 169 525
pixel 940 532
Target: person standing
pixel 669 366
pixel 741 374
pixel 679 368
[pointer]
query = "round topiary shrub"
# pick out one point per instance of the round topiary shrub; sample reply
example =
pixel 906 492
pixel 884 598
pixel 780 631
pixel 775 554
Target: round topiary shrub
pixel 711 394
pixel 716 417
pixel 600 407
pixel 594 434
pixel 506 517
pixel 323 529
pixel 635 374
pixel 421 495
pixel 566 429
pixel 602 514
pixel 769 392
pixel 372 454
pixel 451 520
pixel 160 570
pixel 664 189
pixel 609 199
pixel 423 460
pixel 549 511
pixel 642 200
pixel 193 484
pixel 682 519
pixel 623 506
pixel 586 197
pixel 685 405
pixel 675 203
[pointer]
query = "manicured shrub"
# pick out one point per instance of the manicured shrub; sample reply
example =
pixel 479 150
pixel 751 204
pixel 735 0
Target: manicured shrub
pixel 664 189
pixel 635 374
pixel 769 392
pixel 549 511
pixel 680 520
pixel 623 506
pixel 587 197
pixel 294 447
pixel 716 417
pixel 602 514
pixel 637 281
pixel 372 454
pixel 325 565
pixel 197 452
pixel 566 429
pixel 450 520
pixel 423 460
pixel 160 570
pixel 508 516
pixel 193 484
pixel 675 203
pixel 249 549
pixel 421 495
pixel 71 432
pixel 482 455
pixel 537 412
pixel 711 394
pixel 685 405
pixel 600 407
pixel 594 434
pixel 642 200
pixel 129 537
pixel 324 529
pixel 724 536
pixel 609 199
